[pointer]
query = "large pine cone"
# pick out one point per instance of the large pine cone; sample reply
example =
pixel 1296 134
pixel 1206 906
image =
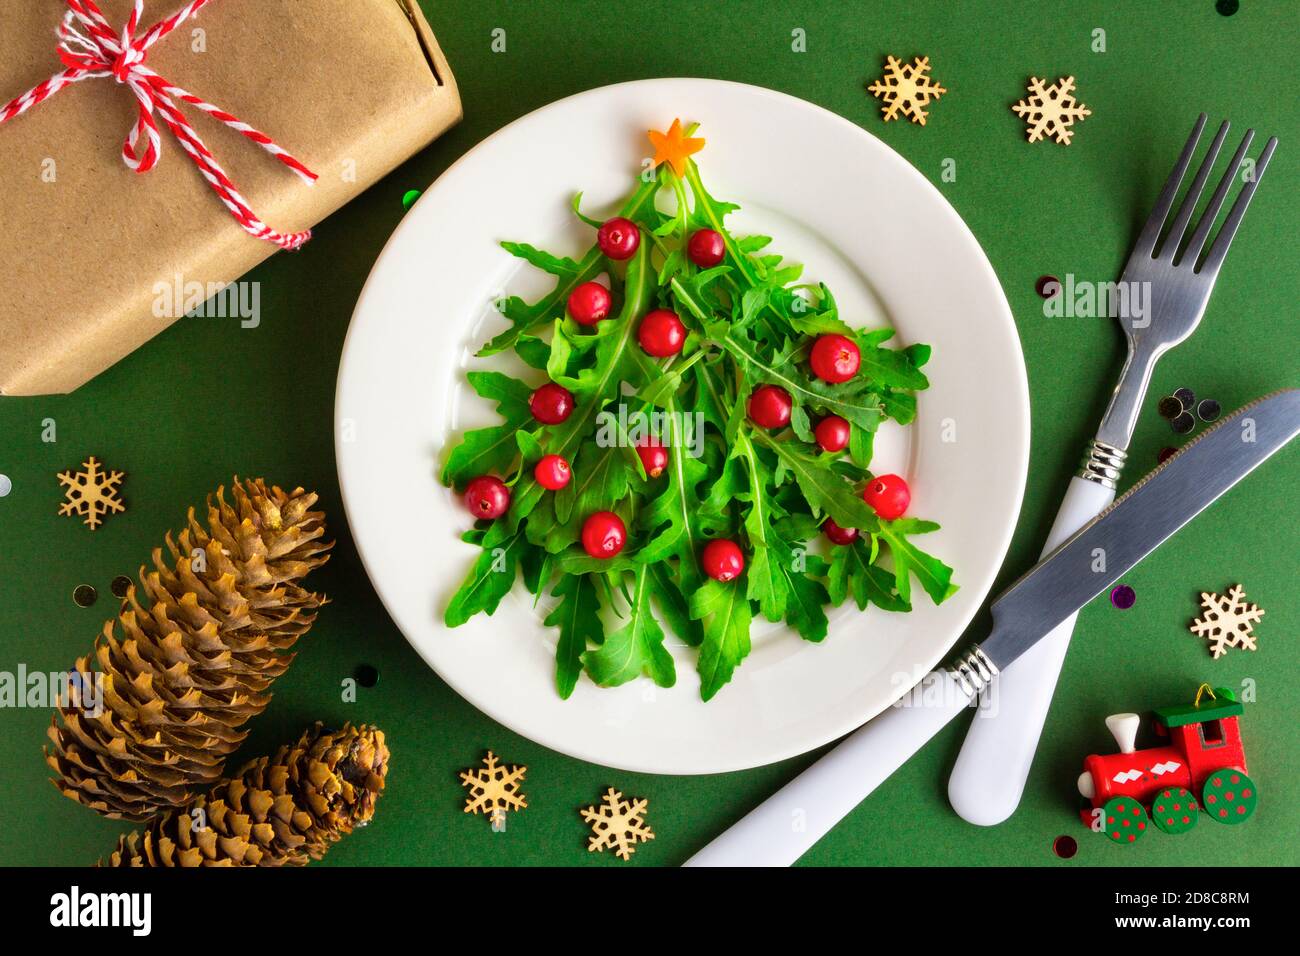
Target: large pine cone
pixel 214 628
pixel 279 811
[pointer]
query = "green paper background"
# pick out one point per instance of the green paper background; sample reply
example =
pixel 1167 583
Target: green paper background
pixel 207 399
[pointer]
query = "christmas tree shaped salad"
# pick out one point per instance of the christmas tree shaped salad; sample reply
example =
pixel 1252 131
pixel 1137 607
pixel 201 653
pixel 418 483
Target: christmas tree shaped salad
pixel 695 423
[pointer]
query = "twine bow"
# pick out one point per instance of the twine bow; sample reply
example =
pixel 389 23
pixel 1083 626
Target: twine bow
pixel 90 49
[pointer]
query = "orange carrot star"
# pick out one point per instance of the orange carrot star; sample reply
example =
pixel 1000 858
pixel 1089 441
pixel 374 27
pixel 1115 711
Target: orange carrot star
pixel 674 147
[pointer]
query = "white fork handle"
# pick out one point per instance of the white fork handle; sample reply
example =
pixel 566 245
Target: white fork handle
pixel 782 828
pixel 989 776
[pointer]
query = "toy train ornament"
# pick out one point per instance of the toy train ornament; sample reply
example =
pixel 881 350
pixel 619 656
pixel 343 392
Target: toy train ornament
pixel 1204 756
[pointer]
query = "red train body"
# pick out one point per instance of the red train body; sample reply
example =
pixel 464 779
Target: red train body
pixel 1204 756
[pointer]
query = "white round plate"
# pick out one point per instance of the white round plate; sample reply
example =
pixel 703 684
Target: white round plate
pixel 834 198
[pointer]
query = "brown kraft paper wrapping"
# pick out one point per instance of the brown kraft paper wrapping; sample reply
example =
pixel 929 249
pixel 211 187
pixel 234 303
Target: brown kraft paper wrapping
pixel 350 87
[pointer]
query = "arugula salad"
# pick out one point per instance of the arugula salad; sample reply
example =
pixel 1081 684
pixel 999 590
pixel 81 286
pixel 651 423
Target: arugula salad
pixel 693 449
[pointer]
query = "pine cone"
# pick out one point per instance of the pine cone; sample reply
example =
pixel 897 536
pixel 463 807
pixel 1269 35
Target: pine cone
pixel 217 621
pixel 279 811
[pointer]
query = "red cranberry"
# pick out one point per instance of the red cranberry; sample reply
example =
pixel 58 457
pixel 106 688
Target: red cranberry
pixel 706 247
pixel 661 333
pixel 603 534
pixel 835 358
pixel 654 457
pixel 589 303
pixel 723 560
pixel 889 495
pixel 618 238
pixel 551 404
pixel 769 407
pixel 832 433
pixel 837 534
pixel 487 497
pixel 552 472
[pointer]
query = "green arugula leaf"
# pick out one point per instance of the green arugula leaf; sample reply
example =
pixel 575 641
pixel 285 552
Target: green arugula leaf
pixel 535 565
pixel 601 480
pixel 533 351
pixel 767 584
pixel 575 560
pixel 885 367
pixel 578 618
pixel 724 609
pixel 577 211
pixel 673 606
pixel 853 571
pixel 664 383
pixel 710 213
pixel 635 648
pixel 909 560
pixel 525 317
pixel 671 518
pixel 600 384
pixel 732 480
pixel 804 317
pixel 861 445
pixel 850 400
pixel 825 490
pixel 918 354
pixel 529 448
pixel 491 579
pixel 693 294
pixel 483 451
pixel 805 595
pixel 560 267
pixel 900 406
pixel 790 588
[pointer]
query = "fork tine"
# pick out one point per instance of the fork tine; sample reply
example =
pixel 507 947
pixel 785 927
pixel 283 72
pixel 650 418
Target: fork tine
pixel 1224 239
pixel 1146 242
pixel 1197 242
pixel 1169 248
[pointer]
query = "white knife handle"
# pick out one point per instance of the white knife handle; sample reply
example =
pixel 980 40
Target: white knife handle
pixel 989 776
pixel 782 828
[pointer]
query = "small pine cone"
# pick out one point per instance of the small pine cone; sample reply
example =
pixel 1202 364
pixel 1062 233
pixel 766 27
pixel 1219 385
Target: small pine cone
pixel 279 811
pixel 198 650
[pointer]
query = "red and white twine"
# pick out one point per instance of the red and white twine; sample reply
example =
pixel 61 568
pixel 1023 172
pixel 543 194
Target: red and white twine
pixel 90 50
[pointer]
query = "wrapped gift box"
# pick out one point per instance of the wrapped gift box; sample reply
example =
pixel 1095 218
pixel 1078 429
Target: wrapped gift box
pixel 91 252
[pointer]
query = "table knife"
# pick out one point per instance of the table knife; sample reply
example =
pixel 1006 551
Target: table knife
pixel 781 829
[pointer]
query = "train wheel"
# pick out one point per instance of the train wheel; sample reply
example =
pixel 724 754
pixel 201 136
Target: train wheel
pixel 1229 796
pixel 1126 820
pixel 1175 810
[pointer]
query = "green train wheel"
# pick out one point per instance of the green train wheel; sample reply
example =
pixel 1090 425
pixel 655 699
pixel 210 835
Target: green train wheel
pixel 1229 796
pixel 1175 810
pixel 1126 820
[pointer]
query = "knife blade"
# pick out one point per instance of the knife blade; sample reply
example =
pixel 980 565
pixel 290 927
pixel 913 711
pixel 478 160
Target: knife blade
pixel 1151 511
pixel 779 830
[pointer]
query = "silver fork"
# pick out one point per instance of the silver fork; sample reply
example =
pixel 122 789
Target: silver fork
pixel 994 762
pixel 1179 289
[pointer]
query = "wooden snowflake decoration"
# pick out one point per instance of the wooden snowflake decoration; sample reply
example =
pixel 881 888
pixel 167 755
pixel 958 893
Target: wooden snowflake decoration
pixel 906 89
pixel 617 824
pixel 91 493
pixel 494 790
pixel 1227 621
pixel 1051 110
